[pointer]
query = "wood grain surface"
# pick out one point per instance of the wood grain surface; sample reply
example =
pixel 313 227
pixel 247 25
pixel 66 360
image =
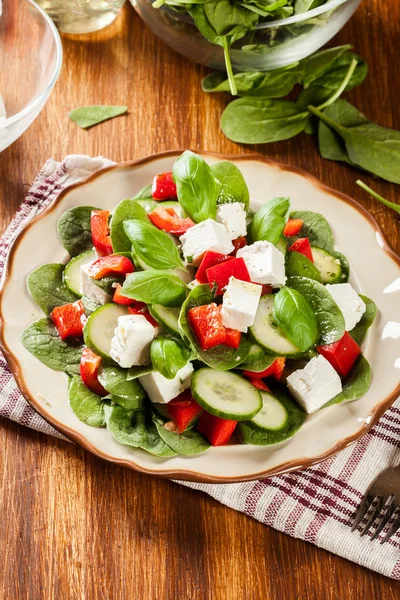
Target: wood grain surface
pixel 74 527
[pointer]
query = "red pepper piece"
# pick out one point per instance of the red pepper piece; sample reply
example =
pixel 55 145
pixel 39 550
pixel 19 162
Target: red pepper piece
pixel 303 246
pixel 183 410
pixel 266 289
pixel 259 384
pixel 274 370
pixel 89 369
pixel 240 242
pixel 206 322
pixel 233 337
pixel 110 265
pixel 69 319
pixel 220 274
pixel 218 431
pixel 293 227
pixel 342 354
pixel 210 259
pixel 119 298
pixel 134 310
pixel 101 231
pixel 163 187
pixel 167 220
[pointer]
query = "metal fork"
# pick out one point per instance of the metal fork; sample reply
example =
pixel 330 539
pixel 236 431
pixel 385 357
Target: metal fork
pixel 380 502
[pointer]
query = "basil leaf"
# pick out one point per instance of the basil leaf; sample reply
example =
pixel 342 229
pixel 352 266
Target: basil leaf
pixel 87 406
pixel 196 187
pixel 220 357
pixel 231 183
pixel 296 318
pixel 152 246
pixel 88 116
pixel 114 380
pixel 270 220
pixel 135 428
pixel 126 209
pixel 299 265
pixel 316 228
pixel 261 121
pixel 74 229
pixel 370 146
pixel 359 332
pixel 47 288
pixel 331 324
pixel 168 356
pixel 356 384
pixel 42 340
pixel 155 287
pixel 187 443
pixel 320 63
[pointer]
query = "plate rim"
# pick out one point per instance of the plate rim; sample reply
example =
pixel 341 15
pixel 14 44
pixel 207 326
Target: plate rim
pixel 187 474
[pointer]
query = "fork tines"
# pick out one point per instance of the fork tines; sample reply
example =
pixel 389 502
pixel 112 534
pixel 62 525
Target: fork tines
pixel 375 513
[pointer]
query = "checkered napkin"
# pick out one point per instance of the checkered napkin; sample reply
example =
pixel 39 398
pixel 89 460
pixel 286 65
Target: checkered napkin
pixel 316 504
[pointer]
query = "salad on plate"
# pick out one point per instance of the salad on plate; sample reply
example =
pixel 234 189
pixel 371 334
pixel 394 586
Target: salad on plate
pixel 183 319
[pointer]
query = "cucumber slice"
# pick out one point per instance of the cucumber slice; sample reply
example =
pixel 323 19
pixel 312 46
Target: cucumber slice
pixel 273 415
pixel 225 394
pixel 99 329
pixel 267 334
pixel 330 268
pixel 166 316
pixel 255 354
pixel 72 273
pixel 172 204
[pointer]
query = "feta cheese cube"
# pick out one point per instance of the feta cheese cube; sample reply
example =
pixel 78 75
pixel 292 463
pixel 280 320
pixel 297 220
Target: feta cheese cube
pixel 239 304
pixel 349 302
pixel 314 385
pixel 192 284
pixel 233 218
pixel 131 342
pixel 90 289
pixel 207 235
pixel 163 390
pixel 264 262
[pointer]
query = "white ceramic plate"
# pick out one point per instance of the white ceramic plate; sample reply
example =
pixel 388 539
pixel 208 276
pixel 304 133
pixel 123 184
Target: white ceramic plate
pixel 375 271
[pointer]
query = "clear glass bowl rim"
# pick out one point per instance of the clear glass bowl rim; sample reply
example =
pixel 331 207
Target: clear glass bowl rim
pixel 59 54
pixel 315 12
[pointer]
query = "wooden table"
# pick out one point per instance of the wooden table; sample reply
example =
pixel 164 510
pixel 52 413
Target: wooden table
pixel 75 527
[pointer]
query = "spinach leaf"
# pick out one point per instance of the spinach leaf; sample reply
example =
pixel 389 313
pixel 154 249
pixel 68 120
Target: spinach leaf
pixel 344 263
pixel 298 264
pixel 107 284
pixel 168 356
pixel 87 116
pixel 42 340
pixel 356 383
pixel 359 332
pixel 270 220
pixel 187 443
pixel 220 357
pixel 331 145
pixel 302 6
pixel 152 246
pixel 261 121
pixel 127 403
pixel 74 229
pixel 47 287
pixel 155 287
pixel 259 364
pixel 89 305
pixel 369 146
pixel 145 193
pixel 135 428
pixel 320 63
pixel 231 184
pixel 333 79
pixel 316 228
pixel 114 380
pixel 295 316
pixel 331 324
pixel 380 199
pixel 87 406
pixel 196 186
pixel 126 209
pixel 135 372
pixel 248 432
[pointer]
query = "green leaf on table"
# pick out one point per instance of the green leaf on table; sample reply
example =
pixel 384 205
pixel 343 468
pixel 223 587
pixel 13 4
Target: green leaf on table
pixel 295 316
pixel 47 288
pixel 155 287
pixel 196 186
pixel 74 229
pixel 168 355
pixel 231 183
pixel 126 209
pixel 87 406
pixel 269 221
pixel 88 116
pixel 153 246
pixel 320 63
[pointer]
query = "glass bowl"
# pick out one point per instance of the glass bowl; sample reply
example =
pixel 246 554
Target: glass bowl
pixel 30 62
pixel 268 46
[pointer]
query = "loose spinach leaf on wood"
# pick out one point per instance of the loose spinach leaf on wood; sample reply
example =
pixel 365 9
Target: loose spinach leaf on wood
pixel 320 63
pixel 87 406
pixel 126 209
pixel 270 220
pixel 88 116
pixel 187 443
pixel 294 315
pixel 380 199
pixel 47 287
pixel 231 184
pixel 359 332
pixel 74 229
pixel 356 384
pixel 196 186
pixel 42 340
